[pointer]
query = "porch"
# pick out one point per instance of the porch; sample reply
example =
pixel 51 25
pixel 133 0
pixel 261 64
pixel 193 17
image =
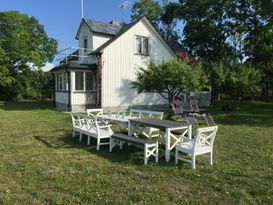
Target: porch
pixel 75 81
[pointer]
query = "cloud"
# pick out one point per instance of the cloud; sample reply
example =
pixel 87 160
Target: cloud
pixel 48 67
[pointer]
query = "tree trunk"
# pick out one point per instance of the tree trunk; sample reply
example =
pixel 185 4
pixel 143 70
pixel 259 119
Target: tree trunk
pixel 170 112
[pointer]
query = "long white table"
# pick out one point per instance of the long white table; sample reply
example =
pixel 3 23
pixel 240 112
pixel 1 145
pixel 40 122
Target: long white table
pixel 164 125
pixel 117 119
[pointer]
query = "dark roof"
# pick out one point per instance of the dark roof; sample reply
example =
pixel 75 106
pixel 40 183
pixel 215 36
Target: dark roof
pixel 102 27
pixel 125 28
pixel 74 65
pixel 175 46
pixel 180 51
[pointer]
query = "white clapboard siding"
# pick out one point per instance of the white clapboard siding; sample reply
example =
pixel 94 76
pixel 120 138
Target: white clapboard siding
pixel 61 97
pixel 85 33
pixel 120 64
pixel 78 97
pixel 83 98
pixel 99 39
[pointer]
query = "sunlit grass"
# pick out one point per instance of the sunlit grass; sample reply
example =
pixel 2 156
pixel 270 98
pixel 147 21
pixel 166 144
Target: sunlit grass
pixel 40 163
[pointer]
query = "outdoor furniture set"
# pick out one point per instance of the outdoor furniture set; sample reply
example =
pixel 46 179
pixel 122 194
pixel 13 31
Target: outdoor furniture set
pixel 194 113
pixel 96 124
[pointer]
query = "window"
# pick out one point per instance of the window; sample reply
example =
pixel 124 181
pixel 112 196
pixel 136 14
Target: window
pixel 138 44
pixel 61 81
pixel 85 43
pixel 84 81
pixel 89 81
pixel 78 80
pixel 142 45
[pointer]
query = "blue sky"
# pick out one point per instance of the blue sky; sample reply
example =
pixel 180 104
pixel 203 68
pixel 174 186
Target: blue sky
pixel 61 18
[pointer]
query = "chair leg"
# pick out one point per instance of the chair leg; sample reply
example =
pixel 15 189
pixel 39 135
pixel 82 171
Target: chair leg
pixel 145 154
pixel 193 161
pixel 80 139
pixel 88 140
pixel 210 159
pixel 156 153
pixel 110 145
pixel 73 133
pixel 176 156
pixel 98 144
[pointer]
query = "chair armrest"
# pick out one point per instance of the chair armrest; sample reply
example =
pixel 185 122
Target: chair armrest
pixel 105 126
pixel 182 139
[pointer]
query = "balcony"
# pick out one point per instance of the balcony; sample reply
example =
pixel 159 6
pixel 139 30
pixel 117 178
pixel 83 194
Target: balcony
pixel 76 55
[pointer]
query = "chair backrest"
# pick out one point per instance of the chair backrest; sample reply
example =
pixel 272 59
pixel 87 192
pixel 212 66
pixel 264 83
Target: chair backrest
pixel 191 120
pixel 177 106
pixel 205 137
pixel 194 105
pixel 92 124
pixel 146 114
pixel 94 112
pixel 209 119
pixel 75 120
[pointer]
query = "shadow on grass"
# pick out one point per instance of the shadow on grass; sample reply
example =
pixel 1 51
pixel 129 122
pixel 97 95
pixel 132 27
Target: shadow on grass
pixel 26 105
pixel 251 113
pixel 128 154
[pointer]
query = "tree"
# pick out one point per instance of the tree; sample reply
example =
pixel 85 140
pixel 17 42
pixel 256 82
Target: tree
pixel 217 74
pixel 170 78
pixel 24 45
pixel 242 79
pixel 169 20
pixel 149 8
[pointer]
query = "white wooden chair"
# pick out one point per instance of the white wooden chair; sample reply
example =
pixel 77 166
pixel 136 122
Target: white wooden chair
pixel 202 144
pixel 94 112
pixel 93 129
pixel 77 122
pixel 149 131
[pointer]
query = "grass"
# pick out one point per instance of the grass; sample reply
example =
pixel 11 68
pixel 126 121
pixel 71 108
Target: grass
pixel 40 163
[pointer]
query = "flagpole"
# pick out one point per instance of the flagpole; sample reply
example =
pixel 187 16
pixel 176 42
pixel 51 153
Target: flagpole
pixel 82 8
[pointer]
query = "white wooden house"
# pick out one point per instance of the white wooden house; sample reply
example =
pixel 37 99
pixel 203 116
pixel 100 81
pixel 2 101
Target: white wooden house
pixel 101 71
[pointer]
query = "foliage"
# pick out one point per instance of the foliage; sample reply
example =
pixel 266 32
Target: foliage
pixel 242 79
pixel 163 18
pixel 169 20
pixel 170 78
pixel 38 154
pixel 149 8
pixel 30 85
pixel 24 45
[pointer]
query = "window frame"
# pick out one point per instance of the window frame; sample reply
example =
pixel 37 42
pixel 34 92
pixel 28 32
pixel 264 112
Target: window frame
pixel 75 81
pixel 143 38
pixel 84 81
pixel 61 82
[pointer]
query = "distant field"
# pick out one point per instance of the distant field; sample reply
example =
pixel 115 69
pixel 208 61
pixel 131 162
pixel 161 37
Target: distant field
pixel 40 163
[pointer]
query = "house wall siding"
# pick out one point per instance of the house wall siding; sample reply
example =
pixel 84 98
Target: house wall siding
pixel 99 39
pixel 120 64
pixel 61 97
pixel 81 100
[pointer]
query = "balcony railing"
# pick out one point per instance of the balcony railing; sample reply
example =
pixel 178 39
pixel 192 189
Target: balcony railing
pixel 74 54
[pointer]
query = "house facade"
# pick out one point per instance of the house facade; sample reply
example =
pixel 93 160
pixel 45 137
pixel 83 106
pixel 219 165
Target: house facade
pixel 100 72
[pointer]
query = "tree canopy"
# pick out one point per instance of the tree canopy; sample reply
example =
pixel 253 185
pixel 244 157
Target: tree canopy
pixel 24 46
pixel 170 78
pixel 149 8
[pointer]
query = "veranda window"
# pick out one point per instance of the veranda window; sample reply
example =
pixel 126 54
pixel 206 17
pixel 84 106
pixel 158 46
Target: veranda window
pixel 84 81
pixel 79 80
pixel 61 81
pixel 89 81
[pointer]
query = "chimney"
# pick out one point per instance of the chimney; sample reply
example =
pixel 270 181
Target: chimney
pixel 114 22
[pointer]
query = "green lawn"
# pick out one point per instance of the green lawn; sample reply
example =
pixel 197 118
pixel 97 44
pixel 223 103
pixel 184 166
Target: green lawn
pixel 40 163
